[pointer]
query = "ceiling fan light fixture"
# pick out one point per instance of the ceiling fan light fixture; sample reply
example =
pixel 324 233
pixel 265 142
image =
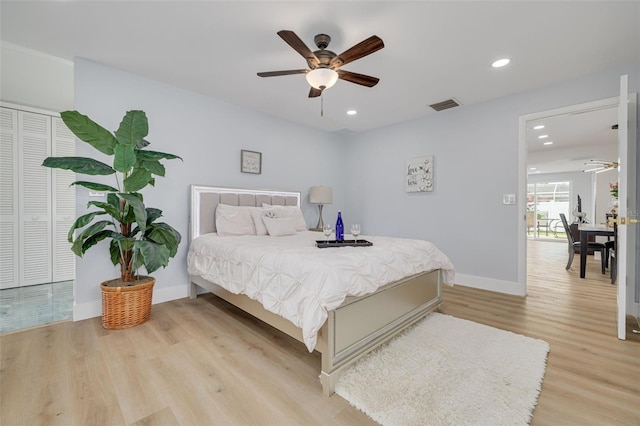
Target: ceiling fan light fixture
pixel 322 78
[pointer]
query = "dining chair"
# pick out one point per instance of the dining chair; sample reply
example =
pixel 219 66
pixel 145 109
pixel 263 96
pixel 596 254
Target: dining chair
pixel 543 222
pixel 574 246
pixel 611 253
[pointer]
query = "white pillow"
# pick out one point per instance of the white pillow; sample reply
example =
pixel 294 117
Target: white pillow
pixel 234 220
pixel 258 223
pixel 290 211
pixel 280 226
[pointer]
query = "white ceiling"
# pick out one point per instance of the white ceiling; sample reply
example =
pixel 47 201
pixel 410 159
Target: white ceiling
pixel 433 50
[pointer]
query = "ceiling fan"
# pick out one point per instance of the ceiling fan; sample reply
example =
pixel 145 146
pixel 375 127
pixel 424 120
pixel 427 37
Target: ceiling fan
pixel 324 65
pixel 601 165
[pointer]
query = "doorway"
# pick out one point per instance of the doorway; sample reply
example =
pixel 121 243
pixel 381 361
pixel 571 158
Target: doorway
pixel 541 161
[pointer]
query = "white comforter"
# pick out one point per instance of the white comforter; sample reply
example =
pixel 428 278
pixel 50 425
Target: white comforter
pixel 293 278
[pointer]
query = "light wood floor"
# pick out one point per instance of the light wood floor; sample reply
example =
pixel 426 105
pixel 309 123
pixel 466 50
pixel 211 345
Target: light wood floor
pixel 203 362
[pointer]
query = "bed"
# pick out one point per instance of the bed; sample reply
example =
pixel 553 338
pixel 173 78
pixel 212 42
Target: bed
pixel 346 317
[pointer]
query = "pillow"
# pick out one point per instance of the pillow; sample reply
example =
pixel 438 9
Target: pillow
pixel 234 220
pixel 290 211
pixel 258 223
pixel 280 226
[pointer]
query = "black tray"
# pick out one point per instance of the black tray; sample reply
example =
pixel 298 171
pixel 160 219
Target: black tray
pixel 345 243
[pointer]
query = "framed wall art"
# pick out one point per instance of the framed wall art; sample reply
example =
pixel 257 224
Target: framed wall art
pixel 419 174
pixel 250 162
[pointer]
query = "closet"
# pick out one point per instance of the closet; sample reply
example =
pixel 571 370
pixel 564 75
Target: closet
pixel 37 204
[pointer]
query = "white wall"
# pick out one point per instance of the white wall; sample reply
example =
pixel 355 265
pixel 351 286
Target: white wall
pixel 604 200
pixel 32 78
pixel 208 134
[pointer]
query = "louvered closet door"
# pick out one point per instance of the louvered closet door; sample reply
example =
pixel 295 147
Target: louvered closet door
pixel 35 203
pixel 64 203
pixel 9 255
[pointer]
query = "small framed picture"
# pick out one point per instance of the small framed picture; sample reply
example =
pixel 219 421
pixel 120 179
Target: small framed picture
pixel 250 162
pixel 419 174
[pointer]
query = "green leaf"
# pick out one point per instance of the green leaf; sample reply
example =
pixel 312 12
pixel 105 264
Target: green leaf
pixel 153 214
pixel 142 144
pixel 137 180
pixel 89 131
pixel 154 167
pixel 112 211
pixel 133 128
pixel 138 260
pixel 155 255
pixel 94 228
pixel 95 186
pixel 155 155
pixel 96 238
pixel 81 222
pixel 138 209
pixel 83 165
pixel 114 252
pixel 125 158
pixel 165 235
pixel 79 246
pixel 76 247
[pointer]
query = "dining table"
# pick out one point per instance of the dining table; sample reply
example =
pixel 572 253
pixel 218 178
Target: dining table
pixel 586 231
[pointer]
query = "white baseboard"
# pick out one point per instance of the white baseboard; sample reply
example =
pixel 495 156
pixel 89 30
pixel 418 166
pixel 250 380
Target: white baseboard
pixel 94 309
pixel 500 286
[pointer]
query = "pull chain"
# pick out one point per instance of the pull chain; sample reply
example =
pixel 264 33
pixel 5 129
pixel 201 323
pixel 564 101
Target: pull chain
pixel 322 104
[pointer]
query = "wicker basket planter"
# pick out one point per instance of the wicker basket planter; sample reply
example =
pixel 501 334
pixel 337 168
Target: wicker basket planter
pixel 128 306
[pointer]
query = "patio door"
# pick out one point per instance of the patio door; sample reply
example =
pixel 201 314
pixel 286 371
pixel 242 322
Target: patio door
pixel 545 202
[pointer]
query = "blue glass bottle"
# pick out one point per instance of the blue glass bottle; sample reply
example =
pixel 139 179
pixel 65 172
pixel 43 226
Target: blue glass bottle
pixel 339 228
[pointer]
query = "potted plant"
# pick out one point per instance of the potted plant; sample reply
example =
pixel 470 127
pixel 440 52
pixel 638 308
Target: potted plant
pixel 136 237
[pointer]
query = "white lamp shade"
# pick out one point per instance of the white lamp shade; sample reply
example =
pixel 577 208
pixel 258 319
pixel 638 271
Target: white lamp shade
pixel 321 195
pixel 322 77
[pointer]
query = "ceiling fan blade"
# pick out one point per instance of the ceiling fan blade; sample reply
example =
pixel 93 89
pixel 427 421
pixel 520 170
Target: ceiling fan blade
pixel 364 48
pixel 277 73
pixel 314 93
pixel 298 45
pixel 352 77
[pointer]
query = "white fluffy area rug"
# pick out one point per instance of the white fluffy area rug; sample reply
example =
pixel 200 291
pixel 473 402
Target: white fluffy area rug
pixel 448 371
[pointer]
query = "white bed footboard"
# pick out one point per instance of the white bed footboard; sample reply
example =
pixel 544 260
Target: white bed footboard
pixel 356 327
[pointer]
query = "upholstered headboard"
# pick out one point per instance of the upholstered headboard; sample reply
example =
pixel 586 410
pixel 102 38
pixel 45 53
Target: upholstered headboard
pixel 205 199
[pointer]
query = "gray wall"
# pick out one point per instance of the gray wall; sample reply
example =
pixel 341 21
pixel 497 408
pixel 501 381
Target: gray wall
pixel 476 161
pixel 475 152
pixel 208 134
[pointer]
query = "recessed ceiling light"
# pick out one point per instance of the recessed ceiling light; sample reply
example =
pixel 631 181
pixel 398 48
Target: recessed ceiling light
pixel 543 136
pixel 538 127
pixel 352 112
pixel 537 171
pixel 548 143
pixel 500 63
pixel 532 168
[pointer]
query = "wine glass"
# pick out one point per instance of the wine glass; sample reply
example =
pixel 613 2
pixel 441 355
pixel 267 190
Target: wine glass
pixel 355 231
pixel 327 231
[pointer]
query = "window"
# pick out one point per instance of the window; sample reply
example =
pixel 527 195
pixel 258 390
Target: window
pixel 545 202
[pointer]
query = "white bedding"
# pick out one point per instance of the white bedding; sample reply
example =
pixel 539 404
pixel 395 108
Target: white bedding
pixel 293 278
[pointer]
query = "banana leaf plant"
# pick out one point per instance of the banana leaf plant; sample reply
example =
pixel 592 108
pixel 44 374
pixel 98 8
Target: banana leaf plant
pixel 137 239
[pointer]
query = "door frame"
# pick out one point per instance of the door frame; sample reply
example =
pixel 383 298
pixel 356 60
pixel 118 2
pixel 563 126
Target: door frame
pixel 522 167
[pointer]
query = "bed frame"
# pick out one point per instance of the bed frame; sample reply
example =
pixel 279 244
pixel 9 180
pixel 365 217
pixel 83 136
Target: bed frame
pixel 353 329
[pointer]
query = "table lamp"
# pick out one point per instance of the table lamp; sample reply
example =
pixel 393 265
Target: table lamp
pixel 320 195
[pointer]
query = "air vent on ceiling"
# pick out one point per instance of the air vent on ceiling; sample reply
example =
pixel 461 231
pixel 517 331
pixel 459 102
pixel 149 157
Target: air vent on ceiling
pixel 449 103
